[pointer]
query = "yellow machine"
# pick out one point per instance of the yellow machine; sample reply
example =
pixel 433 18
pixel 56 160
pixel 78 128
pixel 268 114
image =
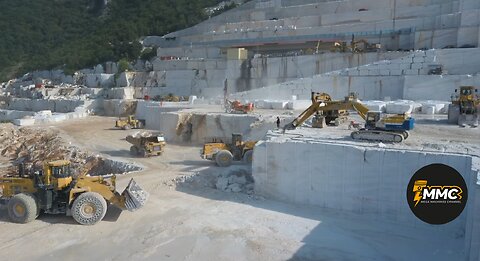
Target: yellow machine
pixel 363 45
pixel 340 47
pixel 146 146
pixel 358 46
pixel 465 108
pixel 223 154
pixel 322 117
pixel 170 98
pixel 129 123
pixel 55 191
pixel 378 126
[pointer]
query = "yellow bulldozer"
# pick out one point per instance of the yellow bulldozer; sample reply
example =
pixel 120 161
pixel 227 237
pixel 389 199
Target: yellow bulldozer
pixel 54 190
pixel 130 122
pixel 224 153
pixel 465 107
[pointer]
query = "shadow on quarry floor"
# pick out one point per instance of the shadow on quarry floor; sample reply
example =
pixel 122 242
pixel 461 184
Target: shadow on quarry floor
pixel 112 215
pixel 117 153
pixel 338 235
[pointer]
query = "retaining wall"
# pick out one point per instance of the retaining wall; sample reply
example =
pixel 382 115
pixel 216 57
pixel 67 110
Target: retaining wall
pixel 370 181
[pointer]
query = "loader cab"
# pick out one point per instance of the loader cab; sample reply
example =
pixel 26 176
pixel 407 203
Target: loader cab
pixel 467 93
pixel 57 174
pixel 236 148
pixel 372 118
pixel 236 139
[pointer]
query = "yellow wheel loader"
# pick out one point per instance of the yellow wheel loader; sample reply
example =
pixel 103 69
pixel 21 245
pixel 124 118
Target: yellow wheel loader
pixel 129 123
pixel 465 107
pixel 223 153
pixel 54 190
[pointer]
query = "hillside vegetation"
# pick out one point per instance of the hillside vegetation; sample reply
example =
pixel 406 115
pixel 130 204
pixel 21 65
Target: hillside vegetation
pixel 74 34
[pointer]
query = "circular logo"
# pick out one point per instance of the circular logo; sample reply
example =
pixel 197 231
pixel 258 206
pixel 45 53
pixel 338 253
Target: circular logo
pixel 437 194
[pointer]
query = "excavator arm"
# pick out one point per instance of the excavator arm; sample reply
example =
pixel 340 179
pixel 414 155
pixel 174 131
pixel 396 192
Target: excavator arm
pixel 361 109
pixel 302 117
pixel 322 103
pixel 318 100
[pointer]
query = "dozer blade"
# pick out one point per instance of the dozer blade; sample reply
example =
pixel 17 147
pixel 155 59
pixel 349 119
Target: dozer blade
pixel 135 196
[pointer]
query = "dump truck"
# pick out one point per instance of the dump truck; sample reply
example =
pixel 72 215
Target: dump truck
pixel 130 122
pixel 465 107
pixel 54 190
pixel 145 145
pixel 378 126
pixel 224 153
pixel 238 107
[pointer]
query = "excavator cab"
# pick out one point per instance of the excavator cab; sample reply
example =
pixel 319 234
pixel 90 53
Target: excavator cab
pixel 372 118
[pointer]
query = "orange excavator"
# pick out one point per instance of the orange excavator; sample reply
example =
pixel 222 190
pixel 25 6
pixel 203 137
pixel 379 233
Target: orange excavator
pixel 238 107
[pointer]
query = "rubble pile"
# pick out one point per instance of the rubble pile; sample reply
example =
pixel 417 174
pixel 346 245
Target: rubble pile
pixel 33 146
pixel 235 180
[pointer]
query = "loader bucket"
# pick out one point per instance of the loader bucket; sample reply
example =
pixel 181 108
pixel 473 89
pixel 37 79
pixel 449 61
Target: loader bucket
pixel 135 196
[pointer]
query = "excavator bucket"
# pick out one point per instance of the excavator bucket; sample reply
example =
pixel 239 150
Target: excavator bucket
pixel 289 126
pixel 135 196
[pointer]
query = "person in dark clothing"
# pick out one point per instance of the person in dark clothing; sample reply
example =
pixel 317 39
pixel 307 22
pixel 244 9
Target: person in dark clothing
pixel 278 122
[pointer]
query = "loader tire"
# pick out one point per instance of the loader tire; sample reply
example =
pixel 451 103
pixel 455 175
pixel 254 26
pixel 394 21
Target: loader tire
pixel 453 114
pixel 89 208
pixel 224 158
pixel 23 208
pixel 248 157
pixel 133 151
pixel 142 153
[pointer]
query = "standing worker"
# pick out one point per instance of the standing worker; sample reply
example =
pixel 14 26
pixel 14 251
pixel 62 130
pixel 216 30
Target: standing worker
pixel 278 122
pixel 225 89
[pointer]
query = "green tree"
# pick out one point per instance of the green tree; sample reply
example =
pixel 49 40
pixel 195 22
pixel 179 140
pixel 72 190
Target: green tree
pixel 74 34
pixel 123 65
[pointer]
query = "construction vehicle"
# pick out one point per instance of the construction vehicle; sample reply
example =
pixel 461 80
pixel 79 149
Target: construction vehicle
pixel 363 45
pixel 224 153
pixel 465 108
pixel 129 122
pixel 358 46
pixel 54 190
pixel 321 117
pixel 435 69
pixel 238 107
pixel 170 98
pixel 340 47
pixel 378 126
pixel 146 145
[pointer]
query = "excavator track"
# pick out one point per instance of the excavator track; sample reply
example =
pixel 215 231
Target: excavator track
pixel 378 135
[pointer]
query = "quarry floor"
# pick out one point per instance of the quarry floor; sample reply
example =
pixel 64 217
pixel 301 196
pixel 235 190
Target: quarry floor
pixel 188 219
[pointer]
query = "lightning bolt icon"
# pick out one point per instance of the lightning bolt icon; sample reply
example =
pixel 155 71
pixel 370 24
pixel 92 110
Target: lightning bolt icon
pixel 417 197
pixel 418 188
